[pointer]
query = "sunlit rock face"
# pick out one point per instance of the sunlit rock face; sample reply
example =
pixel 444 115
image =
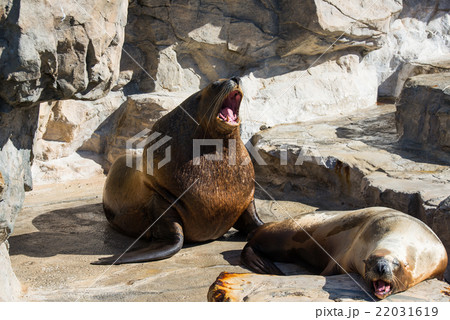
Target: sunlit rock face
pixel 49 50
pixel 59 50
pixel 298 60
pixel 423 111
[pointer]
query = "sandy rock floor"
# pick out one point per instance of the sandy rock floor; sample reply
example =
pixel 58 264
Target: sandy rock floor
pixel 62 228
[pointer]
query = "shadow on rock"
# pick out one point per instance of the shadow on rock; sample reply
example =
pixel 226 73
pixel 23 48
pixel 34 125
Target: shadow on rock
pixel 380 132
pixel 80 230
pixel 342 287
pixel 233 257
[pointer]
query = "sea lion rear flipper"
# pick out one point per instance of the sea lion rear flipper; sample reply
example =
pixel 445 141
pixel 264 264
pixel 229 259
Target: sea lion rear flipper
pixel 330 269
pixel 157 249
pixel 255 261
pixel 249 219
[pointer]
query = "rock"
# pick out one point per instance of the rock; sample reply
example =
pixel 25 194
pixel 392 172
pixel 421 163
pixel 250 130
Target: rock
pixel 244 34
pixel 172 77
pixel 351 162
pixel 63 128
pixel 423 111
pixel 48 50
pixel 343 85
pixel 249 39
pixel 440 223
pixel 393 85
pixel 167 51
pixel 299 61
pixel 17 127
pixel 51 50
pixel 65 125
pixel 78 165
pixel 137 113
pixel 10 288
pixel 248 287
pixel 414 44
pixel 315 26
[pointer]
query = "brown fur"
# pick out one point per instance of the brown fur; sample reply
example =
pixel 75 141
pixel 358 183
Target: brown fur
pixel 356 241
pixel 218 192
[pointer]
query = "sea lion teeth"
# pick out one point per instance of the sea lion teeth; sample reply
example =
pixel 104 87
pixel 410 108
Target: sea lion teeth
pixel 230 107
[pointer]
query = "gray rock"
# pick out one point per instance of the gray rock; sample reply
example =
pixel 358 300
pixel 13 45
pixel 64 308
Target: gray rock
pixel 441 225
pixel 352 162
pixel 423 111
pixel 48 50
pixel 393 85
pixel 416 43
pixel 249 287
pixel 299 60
pixel 64 127
pixel 10 288
pixel 312 27
pixel 219 39
pixel 137 113
pixel 17 127
pixel 51 50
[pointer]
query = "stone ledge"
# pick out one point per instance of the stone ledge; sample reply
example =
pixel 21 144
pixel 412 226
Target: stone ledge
pixel 423 111
pixel 250 287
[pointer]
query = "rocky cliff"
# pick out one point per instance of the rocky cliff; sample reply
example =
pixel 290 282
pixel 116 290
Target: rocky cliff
pixel 298 61
pixel 48 51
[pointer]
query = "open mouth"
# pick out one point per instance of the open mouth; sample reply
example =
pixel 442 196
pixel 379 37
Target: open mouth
pixel 229 112
pixel 381 288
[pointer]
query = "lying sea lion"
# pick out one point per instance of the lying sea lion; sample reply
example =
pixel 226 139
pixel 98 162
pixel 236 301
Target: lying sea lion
pixel 391 250
pixel 193 197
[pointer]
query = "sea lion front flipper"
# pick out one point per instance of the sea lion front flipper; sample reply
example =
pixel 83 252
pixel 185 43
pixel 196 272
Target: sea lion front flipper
pixel 249 219
pixel 255 261
pixel 158 249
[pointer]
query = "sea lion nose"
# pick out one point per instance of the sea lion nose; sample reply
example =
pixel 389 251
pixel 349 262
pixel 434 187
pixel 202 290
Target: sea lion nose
pixel 382 267
pixel 236 79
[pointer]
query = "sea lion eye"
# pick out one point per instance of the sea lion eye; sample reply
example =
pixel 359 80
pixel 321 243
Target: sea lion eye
pixel 395 262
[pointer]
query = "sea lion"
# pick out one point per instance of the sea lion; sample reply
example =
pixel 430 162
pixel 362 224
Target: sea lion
pixel 391 250
pixel 189 199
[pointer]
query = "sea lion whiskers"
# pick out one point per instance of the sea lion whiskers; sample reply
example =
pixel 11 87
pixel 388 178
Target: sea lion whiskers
pixel 398 283
pixel 218 99
pixel 213 103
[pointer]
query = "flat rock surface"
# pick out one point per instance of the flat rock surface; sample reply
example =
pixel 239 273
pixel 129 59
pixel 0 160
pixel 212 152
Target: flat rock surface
pixel 352 161
pixel 307 288
pixel 62 228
